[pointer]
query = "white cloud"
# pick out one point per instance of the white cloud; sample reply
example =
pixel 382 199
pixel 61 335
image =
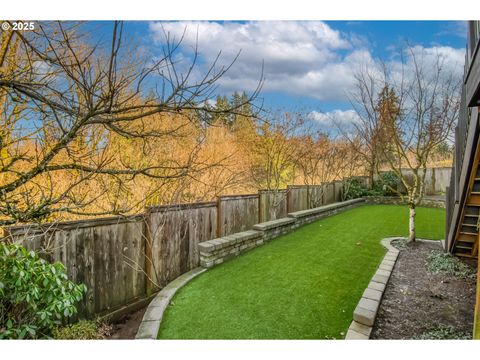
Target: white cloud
pixel 428 59
pixel 305 58
pixel 341 117
pixel 299 57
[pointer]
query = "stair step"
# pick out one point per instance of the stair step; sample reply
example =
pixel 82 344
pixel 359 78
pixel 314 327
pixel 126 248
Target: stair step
pixel 466 255
pixel 468 233
pixel 470 225
pixel 466 240
pixel 471 238
pixel 473 199
pixel 475 193
pixel 464 247
pixel 471 215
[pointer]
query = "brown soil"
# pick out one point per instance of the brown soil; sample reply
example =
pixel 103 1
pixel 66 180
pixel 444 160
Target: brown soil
pixel 126 327
pixel 416 301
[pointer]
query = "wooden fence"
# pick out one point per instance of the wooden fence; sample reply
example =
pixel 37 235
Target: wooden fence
pixel 273 205
pixel 107 255
pixel 237 213
pixel 436 179
pixel 172 235
pixel 122 260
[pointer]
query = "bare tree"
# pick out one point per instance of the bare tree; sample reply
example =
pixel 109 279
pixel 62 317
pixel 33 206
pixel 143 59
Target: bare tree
pixel 367 134
pixel 417 103
pixel 65 102
pixel 322 159
pixel 274 151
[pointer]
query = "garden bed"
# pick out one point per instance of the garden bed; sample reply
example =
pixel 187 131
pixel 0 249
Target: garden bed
pixel 418 304
pixel 127 327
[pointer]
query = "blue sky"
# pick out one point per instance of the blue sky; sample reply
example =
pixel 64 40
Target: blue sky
pixel 308 65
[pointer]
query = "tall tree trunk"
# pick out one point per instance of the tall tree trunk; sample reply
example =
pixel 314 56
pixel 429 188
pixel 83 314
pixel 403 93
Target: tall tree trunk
pixel 411 224
pixel 371 174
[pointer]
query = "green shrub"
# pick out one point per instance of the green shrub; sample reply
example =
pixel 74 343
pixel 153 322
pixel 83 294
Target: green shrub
pixel 444 333
pixel 83 330
pixel 445 263
pixel 354 189
pixel 386 184
pixel 35 296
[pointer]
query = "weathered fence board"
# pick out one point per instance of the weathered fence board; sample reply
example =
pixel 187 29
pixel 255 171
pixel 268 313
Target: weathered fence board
pixel 273 204
pixel 338 190
pixel 436 179
pixel 237 213
pixel 329 193
pixel 303 197
pixel 315 196
pixel 298 198
pixel 175 232
pixel 96 254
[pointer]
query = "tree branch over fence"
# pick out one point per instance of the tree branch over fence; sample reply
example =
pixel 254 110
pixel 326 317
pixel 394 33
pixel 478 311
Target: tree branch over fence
pixel 68 105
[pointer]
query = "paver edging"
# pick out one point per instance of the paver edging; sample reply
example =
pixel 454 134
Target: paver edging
pixel 152 318
pixel 367 308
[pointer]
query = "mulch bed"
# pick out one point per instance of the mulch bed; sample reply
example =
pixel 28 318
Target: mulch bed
pixel 127 327
pixel 416 302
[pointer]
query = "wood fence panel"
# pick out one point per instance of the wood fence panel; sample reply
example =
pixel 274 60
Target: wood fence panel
pixel 237 213
pixel 329 194
pixel 273 204
pixel 175 233
pixel 298 198
pixel 338 190
pixel 92 252
pixel 315 196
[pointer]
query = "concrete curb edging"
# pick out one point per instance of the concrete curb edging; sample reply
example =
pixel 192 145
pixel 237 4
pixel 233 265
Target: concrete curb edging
pixel 367 308
pixel 152 318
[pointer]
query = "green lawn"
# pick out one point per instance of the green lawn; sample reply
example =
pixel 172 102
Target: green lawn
pixel 304 285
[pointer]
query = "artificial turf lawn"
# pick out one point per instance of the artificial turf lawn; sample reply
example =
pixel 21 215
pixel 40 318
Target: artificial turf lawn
pixel 303 285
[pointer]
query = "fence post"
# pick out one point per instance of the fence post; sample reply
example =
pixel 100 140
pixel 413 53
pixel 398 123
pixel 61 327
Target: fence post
pixel 309 205
pixel 148 252
pixel 219 217
pixel 260 215
pixel 322 189
pixel 289 200
pixel 434 181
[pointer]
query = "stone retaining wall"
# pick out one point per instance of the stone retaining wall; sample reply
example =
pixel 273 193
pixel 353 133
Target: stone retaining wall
pixel 275 228
pixel 216 251
pixel 310 215
pixel 394 200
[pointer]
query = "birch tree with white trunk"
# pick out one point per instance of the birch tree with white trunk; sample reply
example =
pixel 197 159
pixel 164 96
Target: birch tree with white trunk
pixel 415 102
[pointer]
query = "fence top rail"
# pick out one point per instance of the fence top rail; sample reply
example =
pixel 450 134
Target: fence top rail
pixel 263 191
pixel 235 197
pixel 112 220
pixel 173 207
pixel 292 187
pixel 304 186
pixel 428 168
pixel 73 224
